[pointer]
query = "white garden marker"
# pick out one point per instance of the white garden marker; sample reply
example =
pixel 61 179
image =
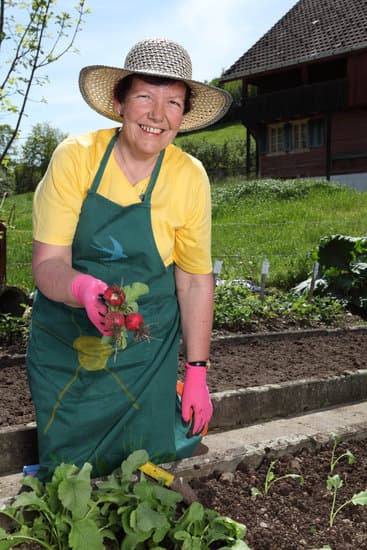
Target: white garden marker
pixel 264 273
pixel 217 268
pixel 315 274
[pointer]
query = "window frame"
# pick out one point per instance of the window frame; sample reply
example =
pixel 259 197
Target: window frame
pixel 300 139
pixel 276 137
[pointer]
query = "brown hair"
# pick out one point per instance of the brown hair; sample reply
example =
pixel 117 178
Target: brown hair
pixel 123 86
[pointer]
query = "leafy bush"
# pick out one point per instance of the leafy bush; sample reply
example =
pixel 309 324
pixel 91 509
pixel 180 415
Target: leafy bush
pixel 227 157
pixel 342 270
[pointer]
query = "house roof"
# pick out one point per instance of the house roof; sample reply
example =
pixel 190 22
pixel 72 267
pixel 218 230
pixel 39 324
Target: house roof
pixel 311 30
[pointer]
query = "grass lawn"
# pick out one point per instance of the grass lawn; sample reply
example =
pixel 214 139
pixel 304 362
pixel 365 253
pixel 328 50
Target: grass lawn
pixel 217 134
pixel 253 221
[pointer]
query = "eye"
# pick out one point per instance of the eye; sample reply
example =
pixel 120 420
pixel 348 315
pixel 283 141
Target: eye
pixel 176 103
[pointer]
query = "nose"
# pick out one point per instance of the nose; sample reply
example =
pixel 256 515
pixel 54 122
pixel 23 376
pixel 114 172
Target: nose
pixel 157 111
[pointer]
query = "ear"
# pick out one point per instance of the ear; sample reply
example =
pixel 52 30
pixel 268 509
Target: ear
pixel 118 107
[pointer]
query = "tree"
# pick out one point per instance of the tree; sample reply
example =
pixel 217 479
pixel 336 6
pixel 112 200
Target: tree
pixel 36 155
pixel 235 89
pixel 7 179
pixel 6 133
pixel 40 144
pixel 33 34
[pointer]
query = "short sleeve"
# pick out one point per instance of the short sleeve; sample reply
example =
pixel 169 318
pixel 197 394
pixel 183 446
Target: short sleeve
pixel 60 194
pixel 192 251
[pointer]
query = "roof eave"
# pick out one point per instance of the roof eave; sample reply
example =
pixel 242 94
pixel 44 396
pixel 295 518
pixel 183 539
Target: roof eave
pixel 299 61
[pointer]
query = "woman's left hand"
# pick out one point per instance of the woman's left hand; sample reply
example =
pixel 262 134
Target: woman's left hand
pixel 195 398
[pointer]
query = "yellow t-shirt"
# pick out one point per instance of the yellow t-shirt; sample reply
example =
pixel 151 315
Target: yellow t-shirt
pixel 180 202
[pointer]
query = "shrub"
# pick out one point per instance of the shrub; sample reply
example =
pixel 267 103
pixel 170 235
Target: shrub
pixel 343 270
pixel 222 158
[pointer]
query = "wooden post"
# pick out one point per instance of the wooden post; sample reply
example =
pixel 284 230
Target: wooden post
pixel 328 146
pixel 248 153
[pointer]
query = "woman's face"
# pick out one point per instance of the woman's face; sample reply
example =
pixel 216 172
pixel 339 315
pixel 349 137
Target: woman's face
pixel 152 115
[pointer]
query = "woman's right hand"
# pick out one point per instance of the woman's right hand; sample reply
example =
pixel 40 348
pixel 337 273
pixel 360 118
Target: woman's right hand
pixel 87 290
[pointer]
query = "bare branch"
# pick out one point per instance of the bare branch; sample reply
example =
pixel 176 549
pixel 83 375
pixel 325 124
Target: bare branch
pixel 30 52
pixel 2 9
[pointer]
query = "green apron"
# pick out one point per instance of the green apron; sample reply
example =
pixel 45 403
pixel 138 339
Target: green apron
pixel 93 405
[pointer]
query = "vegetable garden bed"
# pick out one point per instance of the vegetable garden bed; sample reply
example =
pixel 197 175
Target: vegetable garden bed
pixel 291 515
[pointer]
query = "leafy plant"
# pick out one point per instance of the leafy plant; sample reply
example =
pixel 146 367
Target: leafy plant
pixel 122 511
pixel 236 307
pixel 271 478
pixel 14 329
pixel 334 483
pixel 335 459
pixel 343 269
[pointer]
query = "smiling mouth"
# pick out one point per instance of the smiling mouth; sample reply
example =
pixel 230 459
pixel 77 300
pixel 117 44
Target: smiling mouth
pixel 151 130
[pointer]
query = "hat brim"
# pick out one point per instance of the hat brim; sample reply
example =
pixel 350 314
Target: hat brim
pixel 208 103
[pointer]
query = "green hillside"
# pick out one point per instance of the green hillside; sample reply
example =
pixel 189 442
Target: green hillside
pixel 217 134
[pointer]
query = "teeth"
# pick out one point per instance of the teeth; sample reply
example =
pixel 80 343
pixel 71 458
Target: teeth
pixel 151 130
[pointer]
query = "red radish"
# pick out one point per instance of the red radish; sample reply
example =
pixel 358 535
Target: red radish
pixel 114 320
pixel 133 321
pixel 114 295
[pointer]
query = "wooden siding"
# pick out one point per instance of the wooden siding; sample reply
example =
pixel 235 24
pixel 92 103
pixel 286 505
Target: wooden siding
pixel 349 132
pixel 294 165
pixel 348 148
pixel 349 142
pixel 357 80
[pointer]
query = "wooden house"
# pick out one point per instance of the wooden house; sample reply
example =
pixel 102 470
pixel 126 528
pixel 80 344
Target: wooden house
pixel 305 93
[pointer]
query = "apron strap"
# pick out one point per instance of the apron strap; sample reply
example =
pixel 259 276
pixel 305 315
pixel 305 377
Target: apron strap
pixel 104 161
pixel 154 177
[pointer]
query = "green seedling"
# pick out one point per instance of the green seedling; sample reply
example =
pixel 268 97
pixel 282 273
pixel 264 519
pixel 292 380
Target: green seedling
pixel 335 459
pixel 271 478
pixel 334 483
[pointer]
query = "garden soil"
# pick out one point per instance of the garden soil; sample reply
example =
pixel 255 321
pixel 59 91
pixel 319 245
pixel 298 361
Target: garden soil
pixel 292 515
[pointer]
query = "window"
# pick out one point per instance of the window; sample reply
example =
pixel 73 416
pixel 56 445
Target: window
pixel 296 135
pixel 299 135
pixel 276 138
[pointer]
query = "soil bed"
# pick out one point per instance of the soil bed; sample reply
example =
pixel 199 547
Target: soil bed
pixel 235 365
pixel 291 516
pixel 294 516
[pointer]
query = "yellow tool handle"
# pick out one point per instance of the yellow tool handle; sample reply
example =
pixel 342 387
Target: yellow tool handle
pixel 157 473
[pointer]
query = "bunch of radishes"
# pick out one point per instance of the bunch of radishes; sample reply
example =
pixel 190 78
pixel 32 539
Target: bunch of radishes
pixel 122 314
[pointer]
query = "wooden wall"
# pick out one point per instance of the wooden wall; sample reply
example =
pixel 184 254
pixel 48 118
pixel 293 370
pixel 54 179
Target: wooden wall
pixel 348 149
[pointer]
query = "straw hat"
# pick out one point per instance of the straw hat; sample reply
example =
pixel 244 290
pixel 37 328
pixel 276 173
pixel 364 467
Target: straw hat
pixel 158 57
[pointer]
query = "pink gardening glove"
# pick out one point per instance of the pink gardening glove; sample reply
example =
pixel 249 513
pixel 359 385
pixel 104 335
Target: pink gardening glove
pixel 87 291
pixel 195 398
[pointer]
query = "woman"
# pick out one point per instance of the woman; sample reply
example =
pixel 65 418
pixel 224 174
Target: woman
pixel 124 206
